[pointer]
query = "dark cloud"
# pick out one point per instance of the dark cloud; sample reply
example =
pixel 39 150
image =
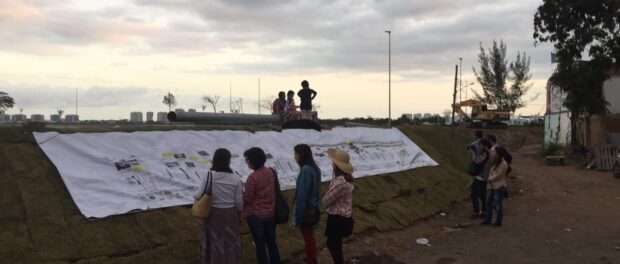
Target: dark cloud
pixel 286 36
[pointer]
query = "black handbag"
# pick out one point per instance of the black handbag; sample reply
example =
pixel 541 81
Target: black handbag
pixel 311 216
pixel 282 208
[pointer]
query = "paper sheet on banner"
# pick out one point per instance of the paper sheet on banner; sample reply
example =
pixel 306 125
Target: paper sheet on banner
pixel 115 173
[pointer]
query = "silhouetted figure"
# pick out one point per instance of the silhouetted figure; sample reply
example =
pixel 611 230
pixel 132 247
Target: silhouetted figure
pixel 279 106
pixel 306 96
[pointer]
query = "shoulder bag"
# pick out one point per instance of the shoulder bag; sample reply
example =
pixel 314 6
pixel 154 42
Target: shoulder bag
pixel 202 207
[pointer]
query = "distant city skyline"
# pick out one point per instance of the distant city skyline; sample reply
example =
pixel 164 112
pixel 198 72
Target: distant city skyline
pixel 124 56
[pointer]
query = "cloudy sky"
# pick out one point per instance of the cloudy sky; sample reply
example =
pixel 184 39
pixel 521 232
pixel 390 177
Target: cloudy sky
pixel 124 55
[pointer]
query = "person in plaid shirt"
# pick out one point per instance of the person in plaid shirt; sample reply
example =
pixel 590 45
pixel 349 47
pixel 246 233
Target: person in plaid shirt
pixel 259 202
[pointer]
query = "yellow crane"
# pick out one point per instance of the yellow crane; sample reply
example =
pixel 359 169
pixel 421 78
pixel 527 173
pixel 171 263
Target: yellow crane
pixel 481 116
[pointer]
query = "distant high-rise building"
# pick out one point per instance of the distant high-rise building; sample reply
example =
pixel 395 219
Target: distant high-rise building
pixel 55 118
pixel 149 117
pixel 136 117
pixel 72 118
pixel 162 117
pixel 18 118
pixel 37 118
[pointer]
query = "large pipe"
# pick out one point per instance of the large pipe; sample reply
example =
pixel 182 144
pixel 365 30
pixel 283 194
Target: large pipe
pixel 223 118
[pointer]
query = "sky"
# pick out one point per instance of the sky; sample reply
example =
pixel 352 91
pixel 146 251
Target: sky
pixel 125 55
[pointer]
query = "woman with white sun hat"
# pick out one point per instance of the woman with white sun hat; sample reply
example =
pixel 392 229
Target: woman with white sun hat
pixel 339 202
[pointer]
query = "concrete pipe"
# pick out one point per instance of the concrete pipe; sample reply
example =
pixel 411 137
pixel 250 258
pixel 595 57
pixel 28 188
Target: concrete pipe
pixel 223 118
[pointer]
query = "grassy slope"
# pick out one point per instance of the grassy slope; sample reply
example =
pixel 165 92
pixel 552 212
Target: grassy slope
pixel 40 223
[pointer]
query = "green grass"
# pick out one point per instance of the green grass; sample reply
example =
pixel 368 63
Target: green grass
pixel 40 223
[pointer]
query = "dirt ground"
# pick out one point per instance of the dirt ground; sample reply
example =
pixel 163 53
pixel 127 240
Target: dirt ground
pixel 556 214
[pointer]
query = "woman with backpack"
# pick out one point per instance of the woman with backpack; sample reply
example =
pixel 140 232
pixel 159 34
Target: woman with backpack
pixel 306 212
pixel 496 186
pixel 339 202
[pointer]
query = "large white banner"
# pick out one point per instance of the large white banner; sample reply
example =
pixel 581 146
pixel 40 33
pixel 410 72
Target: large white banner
pixel 115 173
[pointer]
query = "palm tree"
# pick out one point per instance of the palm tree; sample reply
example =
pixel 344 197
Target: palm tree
pixel 60 112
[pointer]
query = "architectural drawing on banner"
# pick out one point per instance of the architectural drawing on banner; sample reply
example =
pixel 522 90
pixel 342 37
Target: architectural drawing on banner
pixel 149 175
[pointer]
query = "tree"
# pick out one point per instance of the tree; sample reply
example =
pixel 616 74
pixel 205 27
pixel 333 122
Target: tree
pixel 237 106
pixel 266 104
pixel 204 107
pixel 6 101
pixel 60 112
pixel 211 99
pixel 170 101
pixel 577 27
pixel 503 84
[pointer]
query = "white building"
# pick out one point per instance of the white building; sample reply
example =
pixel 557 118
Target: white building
pixel 149 117
pixel 590 131
pixel 417 116
pixel 37 118
pixel 408 116
pixel 136 117
pixel 18 118
pixel 55 118
pixel 162 117
pixel 72 118
pixel 426 115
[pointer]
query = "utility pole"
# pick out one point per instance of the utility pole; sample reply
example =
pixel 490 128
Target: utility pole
pixel 456 71
pixel 389 77
pixel 461 79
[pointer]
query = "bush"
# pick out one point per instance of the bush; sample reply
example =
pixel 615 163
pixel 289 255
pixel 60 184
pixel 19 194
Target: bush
pixel 551 149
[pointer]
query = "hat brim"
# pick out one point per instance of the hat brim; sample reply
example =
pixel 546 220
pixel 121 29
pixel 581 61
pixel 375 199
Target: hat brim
pixel 344 166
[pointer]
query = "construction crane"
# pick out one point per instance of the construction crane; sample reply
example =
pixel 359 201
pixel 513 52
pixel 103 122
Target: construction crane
pixel 481 116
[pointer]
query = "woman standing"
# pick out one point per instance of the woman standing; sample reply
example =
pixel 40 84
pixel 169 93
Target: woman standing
pixel 496 185
pixel 306 210
pixel 339 203
pixel 221 242
pixel 259 200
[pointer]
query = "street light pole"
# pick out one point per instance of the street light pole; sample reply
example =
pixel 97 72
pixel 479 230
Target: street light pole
pixel 389 77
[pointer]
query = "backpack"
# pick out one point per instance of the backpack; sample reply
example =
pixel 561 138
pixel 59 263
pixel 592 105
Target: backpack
pixel 508 159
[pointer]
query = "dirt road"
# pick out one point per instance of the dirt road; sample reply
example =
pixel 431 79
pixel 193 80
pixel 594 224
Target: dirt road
pixel 554 215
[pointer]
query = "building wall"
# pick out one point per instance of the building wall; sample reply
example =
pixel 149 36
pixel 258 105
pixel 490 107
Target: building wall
pixel 37 118
pixel 557 128
pixel 72 118
pixel 611 90
pixel 162 117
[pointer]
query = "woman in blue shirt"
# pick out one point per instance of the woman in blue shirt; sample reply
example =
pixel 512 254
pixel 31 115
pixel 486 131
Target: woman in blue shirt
pixel 307 196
